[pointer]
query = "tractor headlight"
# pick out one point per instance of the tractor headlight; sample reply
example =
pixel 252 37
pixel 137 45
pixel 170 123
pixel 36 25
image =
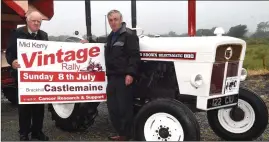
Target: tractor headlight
pixel 244 74
pixel 196 80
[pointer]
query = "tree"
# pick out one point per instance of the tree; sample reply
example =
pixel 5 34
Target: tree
pixel 238 31
pixel 183 35
pixel 263 27
pixel 262 30
pixel 85 37
pixel 266 26
pixel 172 34
pixel 53 38
pixel 205 32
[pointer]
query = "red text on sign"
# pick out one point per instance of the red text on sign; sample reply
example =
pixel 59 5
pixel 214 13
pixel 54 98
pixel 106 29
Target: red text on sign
pixel 80 56
pixel 63 98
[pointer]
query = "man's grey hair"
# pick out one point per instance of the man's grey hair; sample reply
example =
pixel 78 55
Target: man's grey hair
pixel 30 14
pixel 114 11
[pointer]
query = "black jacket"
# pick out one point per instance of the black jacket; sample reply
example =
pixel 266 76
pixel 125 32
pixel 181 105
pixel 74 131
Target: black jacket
pixel 20 33
pixel 122 56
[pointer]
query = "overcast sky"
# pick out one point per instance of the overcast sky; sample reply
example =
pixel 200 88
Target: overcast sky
pixel 157 17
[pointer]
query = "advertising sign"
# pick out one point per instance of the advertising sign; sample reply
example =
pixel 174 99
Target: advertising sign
pixel 60 72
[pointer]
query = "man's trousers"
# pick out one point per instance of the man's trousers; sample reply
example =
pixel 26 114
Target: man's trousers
pixel 120 105
pixel 31 118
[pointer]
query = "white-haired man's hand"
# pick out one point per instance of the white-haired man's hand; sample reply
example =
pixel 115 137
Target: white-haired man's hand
pixel 15 64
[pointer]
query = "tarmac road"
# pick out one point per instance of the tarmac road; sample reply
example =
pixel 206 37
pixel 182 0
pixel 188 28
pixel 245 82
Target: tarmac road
pixel 102 126
pixel 98 132
pixel 9 126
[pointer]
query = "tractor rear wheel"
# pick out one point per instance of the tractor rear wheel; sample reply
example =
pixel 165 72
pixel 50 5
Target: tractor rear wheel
pixel 11 93
pixel 75 117
pixel 166 120
pixel 244 122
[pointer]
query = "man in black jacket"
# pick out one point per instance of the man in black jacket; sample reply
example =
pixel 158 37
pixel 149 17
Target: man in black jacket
pixel 28 113
pixel 122 59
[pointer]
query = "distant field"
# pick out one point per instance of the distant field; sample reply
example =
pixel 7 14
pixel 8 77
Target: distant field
pixel 251 61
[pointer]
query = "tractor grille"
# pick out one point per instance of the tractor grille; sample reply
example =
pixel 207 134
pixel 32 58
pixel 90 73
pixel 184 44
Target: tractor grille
pixel 224 67
pixel 217 78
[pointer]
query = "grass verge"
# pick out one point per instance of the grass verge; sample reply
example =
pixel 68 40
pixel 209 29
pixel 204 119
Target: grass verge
pixel 258 72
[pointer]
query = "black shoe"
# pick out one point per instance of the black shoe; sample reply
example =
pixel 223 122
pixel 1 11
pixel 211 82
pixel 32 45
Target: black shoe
pixel 24 138
pixel 40 136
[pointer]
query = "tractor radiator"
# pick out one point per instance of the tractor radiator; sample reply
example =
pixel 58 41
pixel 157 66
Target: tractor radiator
pixel 226 65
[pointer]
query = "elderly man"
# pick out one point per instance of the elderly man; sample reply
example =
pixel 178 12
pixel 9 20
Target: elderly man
pixel 28 113
pixel 122 59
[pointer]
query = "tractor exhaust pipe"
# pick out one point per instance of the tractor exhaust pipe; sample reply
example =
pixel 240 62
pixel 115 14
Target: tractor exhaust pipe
pixel 191 17
pixel 133 14
pixel 88 20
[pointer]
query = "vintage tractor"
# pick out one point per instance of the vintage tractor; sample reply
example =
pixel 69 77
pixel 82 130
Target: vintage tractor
pixel 178 77
pixel 183 75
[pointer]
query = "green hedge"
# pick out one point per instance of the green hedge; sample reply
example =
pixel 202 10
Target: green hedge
pixel 256 49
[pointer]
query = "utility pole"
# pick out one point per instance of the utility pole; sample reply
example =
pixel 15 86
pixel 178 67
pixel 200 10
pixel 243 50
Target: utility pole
pixel 88 19
pixel 133 14
pixel 105 26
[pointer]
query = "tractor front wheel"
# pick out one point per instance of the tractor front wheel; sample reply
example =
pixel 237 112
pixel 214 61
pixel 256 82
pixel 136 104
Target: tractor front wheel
pixel 166 120
pixel 244 122
pixel 74 117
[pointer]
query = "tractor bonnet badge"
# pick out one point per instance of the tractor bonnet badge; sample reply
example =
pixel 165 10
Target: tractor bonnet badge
pixel 228 53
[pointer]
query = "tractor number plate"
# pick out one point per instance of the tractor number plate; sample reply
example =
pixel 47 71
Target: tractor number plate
pixel 222 101
pixel 231 85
